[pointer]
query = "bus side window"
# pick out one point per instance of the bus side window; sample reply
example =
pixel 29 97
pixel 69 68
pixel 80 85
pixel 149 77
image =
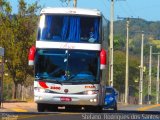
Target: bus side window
pixel 84 36
pixel 92 35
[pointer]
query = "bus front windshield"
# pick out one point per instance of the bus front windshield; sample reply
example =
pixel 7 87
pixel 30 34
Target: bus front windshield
pixel 75 66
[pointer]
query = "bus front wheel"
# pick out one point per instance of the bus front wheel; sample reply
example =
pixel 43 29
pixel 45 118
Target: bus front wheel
pixel 41 107
pixel 94 108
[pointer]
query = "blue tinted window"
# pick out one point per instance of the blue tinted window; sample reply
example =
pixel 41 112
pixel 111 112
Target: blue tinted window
pixel 67 65
pixel 70 28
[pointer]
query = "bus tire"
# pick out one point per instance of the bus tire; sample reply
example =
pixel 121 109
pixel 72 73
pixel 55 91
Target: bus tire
pixel 115 107
pixel 94 109
pixel 40 107
pixel 99 109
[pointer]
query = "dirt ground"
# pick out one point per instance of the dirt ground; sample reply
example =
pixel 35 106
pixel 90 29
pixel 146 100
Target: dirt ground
pixel 18 107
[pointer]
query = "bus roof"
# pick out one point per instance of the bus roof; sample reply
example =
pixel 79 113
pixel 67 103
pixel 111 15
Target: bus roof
pixel 71 11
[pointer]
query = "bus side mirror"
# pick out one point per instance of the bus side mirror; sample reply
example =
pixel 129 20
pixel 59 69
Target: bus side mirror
pixel 116 93
pixel 103 59
pixel 31 55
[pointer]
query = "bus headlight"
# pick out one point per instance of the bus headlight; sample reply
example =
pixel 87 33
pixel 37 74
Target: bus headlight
pixel 93 100
pixel 39 89
pixel 91 92
pixel 111 98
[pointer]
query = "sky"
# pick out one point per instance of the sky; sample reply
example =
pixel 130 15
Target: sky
pixel 145 9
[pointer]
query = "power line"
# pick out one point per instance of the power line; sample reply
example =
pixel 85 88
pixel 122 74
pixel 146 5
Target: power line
pixel 105 4
pixel 123 9
pixel 130 9
pixel 126 9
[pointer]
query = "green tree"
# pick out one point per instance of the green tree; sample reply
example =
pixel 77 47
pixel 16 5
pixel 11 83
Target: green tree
pixel 119 70
pixel 17 35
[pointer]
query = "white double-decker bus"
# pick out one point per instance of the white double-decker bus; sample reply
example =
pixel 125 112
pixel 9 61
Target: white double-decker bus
pixel 69 58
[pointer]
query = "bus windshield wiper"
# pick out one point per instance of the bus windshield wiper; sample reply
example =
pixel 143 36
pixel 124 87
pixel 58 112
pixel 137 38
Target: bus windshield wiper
pixel 70 78
pixel 40 78
pixel 55 81
pixel 48 80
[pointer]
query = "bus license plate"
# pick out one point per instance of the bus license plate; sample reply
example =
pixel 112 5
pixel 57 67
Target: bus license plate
pixel 67 99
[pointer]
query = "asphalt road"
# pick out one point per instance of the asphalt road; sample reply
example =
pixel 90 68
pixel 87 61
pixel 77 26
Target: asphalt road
pixel 31 107
pixel 27 111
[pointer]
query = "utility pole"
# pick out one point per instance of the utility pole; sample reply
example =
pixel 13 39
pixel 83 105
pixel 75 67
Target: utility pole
pixel 141 74
pixel 127 66
pixel 69 2
pixel 127 73
pixel 75 3
pixel 150 76
pixel 1 75
pixel 111 44
pixel 157 83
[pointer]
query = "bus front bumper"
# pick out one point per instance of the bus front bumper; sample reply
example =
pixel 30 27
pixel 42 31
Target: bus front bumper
pixel 66 99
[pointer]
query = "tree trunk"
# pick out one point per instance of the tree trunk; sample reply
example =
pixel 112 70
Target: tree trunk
pixel 22 93
pixel 14 90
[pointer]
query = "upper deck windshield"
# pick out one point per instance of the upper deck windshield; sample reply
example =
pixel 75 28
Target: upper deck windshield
pixel 69 28
pixel 67 66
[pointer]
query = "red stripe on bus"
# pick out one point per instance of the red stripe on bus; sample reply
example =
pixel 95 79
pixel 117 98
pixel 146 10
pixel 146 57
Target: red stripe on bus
pixel 43 84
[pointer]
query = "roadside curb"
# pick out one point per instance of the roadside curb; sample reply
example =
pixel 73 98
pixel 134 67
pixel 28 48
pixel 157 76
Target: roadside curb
pixel 14 101
pixel 148 107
